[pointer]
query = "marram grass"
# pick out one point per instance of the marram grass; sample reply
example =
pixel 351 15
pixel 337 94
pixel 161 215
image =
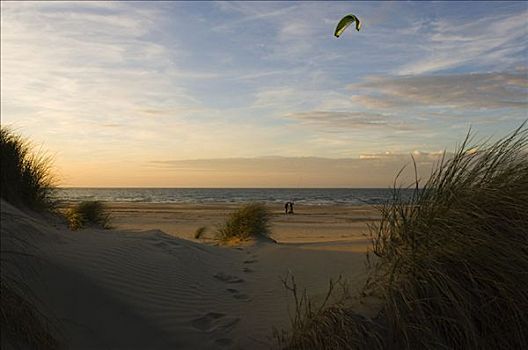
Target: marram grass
pixel 26 176
pixel 251 220
pixel 88 213
pixel 451 263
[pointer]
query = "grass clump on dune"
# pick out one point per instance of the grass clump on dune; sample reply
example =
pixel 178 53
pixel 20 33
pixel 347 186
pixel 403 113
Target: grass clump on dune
pixel 451 263
pixel 88 213
pixel 251 220
pixel 26 177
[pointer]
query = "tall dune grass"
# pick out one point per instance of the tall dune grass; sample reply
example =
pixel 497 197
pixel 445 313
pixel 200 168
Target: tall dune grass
pixel 451 264
pixel 251 220
pixel 26 176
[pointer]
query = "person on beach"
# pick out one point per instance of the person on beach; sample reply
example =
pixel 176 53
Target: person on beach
pixel 291 208
pixel 286 206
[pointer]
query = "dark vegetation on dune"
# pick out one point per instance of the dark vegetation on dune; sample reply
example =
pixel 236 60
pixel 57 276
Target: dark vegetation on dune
pixel 88 213
pixel 26 182
pixel 26 177
pixel 450 265
pixel 200 231
pixel 250 220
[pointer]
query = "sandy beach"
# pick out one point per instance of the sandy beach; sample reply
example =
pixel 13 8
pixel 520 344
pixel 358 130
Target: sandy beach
pixel 308 224
pixel 148 284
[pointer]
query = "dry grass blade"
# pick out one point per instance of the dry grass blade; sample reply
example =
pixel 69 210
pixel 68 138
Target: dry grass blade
pixel 200 232
pixel 327 324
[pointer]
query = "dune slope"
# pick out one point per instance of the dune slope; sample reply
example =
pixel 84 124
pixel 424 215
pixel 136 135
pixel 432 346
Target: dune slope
pixel 127 289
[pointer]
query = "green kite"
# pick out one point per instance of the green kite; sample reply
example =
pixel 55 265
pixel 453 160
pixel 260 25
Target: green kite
pixel 345 22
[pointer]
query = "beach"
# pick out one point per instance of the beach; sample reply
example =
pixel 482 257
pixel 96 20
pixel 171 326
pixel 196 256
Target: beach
pixel 308 224
pixel 147 283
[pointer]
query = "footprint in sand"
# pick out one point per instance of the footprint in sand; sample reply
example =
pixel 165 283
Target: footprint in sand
pixel 241 296
pixel 169 246
pixel 206 322
pixel 247 270
pixel 224 341
pixel 250 261
pixel 215 321
pixel 237 295
pixel 228 278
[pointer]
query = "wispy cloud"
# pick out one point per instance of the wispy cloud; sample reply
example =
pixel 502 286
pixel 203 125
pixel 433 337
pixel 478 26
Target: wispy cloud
pixel 418 156
pixel 348 120
pixel 86 63
pixel 494 41
pixel 453 91
pixel 250 12
pixel 366 171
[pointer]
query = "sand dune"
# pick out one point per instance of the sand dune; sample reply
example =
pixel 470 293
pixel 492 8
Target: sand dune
pixel 139 287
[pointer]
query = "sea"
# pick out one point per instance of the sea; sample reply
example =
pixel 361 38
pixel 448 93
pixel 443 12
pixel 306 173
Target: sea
pixel 308 196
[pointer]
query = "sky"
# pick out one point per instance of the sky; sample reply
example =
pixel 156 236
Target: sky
pixel 258 94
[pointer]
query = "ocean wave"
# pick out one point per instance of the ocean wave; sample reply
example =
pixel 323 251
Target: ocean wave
pixel 307 196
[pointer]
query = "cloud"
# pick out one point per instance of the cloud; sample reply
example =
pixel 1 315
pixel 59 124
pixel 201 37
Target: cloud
pixel 419 156
pixel 453 91
pixel 348 120
pixel 299 171
pixel 85 63
pixel 493 41
pixel 250 13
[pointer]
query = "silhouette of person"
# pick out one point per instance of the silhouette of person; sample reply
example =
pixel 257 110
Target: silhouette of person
pixel 291 208
pixel 286 206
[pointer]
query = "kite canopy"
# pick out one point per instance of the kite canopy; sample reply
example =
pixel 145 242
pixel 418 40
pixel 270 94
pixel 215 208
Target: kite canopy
pixel 345 22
